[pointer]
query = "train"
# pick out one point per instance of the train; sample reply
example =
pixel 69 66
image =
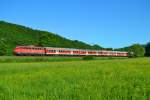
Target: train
pixel 55 51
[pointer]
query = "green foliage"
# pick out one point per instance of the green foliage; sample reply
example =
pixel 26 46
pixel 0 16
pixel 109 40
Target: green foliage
pixel 43 40
pixel 147 49
pixel 138 50
pixel 88 57
pixel 126 79
pixel 110 49
pixel 97 47
pixel 20 35
pixel 3 47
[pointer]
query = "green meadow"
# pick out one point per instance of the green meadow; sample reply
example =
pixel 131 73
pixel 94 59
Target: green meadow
pixel 108 79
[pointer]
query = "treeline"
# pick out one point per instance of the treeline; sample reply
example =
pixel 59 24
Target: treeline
pixel 137 50
pixel 12 35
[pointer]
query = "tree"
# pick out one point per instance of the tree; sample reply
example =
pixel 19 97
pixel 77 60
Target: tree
pixel 3 47
pixel 110 49
pixel 147 49
pixel 137 49
pixel 43 40
pixel 97 47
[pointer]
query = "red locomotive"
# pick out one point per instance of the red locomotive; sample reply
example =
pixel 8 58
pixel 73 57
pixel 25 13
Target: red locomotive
pixel 49 51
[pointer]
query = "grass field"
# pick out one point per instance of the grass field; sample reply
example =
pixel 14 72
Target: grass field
pixel 116 79
pixel 8 59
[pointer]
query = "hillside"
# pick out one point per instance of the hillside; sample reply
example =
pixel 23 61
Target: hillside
pixel 12 35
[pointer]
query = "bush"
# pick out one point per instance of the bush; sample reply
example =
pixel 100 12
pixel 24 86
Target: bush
pixel 138 50
pixel 88 58
pixel 147 50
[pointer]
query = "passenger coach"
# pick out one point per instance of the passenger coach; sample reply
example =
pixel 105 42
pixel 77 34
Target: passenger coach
pixel 52 51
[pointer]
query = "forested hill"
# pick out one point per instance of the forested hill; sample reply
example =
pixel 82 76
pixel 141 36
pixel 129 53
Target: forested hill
pixel 12 35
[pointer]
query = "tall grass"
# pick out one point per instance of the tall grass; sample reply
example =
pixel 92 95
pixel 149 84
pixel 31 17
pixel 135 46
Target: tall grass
pixel 127 79
pixel 9 59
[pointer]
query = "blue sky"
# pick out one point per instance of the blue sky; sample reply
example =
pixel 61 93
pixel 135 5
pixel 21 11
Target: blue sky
pixel 109 23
